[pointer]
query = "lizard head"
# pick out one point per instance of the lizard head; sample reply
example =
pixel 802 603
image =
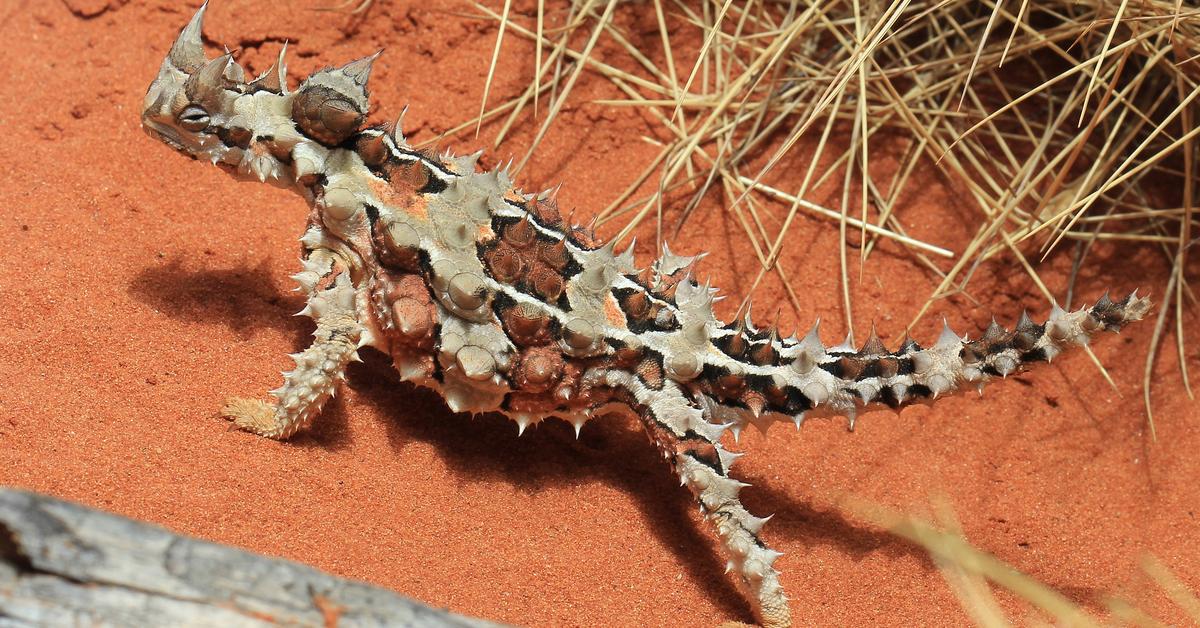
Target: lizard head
pixel 254 129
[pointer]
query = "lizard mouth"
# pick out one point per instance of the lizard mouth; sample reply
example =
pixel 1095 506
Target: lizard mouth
pixel 237 162
pixel 164 135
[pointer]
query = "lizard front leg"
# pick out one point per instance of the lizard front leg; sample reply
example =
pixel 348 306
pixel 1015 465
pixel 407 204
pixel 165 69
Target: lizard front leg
pixel 319 368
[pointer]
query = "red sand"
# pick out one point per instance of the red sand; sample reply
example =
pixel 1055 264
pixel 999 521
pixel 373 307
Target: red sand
pixel 140 289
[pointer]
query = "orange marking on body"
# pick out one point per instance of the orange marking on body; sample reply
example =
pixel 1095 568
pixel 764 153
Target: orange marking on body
pixel 404 198
pixel 613 313
pixel 417 207
pixel 484 234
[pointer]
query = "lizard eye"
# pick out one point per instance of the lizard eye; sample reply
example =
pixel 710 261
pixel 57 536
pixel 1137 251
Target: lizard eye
pixel 193 118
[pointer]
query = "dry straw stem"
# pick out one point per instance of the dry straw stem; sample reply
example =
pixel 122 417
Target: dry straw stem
pixel 359 6
pixel 971 572
pixel 1057 122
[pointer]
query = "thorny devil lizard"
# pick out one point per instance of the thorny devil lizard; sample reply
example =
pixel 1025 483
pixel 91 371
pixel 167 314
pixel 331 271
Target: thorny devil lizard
pixel 484 294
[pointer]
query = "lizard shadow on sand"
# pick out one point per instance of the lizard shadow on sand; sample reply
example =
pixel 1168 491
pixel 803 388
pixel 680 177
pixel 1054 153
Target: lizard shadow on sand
pixel 244 299
pixel 610 450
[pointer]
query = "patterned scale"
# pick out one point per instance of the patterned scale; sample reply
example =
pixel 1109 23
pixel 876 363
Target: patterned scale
pixel 486 295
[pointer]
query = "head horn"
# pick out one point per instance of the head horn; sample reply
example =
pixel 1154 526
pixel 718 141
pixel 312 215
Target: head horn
pixel 274 79
pixel 187 53
pixel 208 84
pixel 359 70
pixel 216 73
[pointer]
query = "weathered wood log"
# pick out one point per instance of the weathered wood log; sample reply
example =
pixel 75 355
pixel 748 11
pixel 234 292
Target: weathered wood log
pixel 62 564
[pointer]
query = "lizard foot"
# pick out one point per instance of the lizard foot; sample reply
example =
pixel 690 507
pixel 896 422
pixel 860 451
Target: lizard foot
pixel 251 415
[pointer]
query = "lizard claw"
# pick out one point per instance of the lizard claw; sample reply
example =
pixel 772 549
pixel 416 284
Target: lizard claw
pixel 252 415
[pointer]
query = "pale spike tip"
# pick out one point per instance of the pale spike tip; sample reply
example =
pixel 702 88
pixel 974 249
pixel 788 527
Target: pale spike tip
pixel 812 340
pixel 187 53
pixel 359 70
pixel 847 345
pixel 947 339
pixel 274 79
pixel 873 346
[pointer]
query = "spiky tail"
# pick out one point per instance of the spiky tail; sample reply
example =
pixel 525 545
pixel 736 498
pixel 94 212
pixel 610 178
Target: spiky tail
pixel 840 380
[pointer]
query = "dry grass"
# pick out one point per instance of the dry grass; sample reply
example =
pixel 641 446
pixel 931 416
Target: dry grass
pixel 972 573
pixel 1061 123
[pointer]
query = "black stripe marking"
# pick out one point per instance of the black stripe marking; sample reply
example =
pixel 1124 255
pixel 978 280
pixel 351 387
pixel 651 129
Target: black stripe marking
pixel 715 465
pixel 421 157
pixel 433 185
pixel 372 214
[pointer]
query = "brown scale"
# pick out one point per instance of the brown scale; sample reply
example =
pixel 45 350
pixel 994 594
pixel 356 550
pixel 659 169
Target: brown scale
pixel 553 254
pixel 520 234
pixel 538 369
pixel 874 352
pixel 650 371
pixel 326 281
pixel 729 386
pixel 851 367
pixel 410 174
pixel 1106 313
pixel 532 402
pixel 311 180
pixel 737 344
pixel 995 335
pixel 568 388
pixel 412 310
pixel 754 400
pixel 995 339
pixel 666 285
pixel 627 399
pixel 907 344
pixel 666 288
pixel 545 211
pixel 592 396
pixel 697 449
pixel 584 237
pixel 776 396
pixel 1027 333
pixel 430 153
pixel 520 255
pixel 637 306
pixel 973 352
pixel 505 263
pixel 763 354
pixel 626 357
pixel 404 260
pixel 526 325
pixel 645 278
pixel 325 115
pixel 874 346
pixel 888 366
pixel 372 149
pixel 546 283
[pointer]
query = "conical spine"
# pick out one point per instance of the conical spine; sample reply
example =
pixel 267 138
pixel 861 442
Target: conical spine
pixel 810 379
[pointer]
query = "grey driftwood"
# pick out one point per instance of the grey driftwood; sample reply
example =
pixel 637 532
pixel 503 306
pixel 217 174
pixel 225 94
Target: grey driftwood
pixel 62 564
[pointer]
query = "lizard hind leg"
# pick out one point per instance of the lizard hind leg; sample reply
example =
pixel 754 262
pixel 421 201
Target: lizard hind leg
pixel 321 366
pixel 692 445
